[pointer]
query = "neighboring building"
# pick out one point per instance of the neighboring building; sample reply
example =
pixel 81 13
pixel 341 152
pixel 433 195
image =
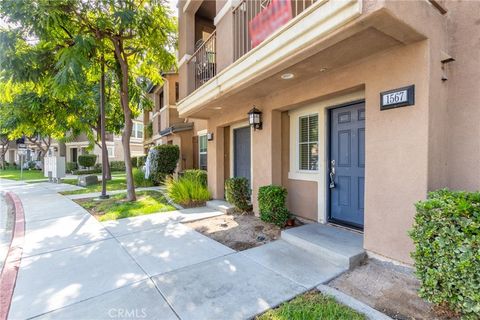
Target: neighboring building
pixel 317 81
pixel 33 151
pixel 114 145
pixel 163 126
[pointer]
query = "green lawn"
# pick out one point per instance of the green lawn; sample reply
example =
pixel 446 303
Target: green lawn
pixel 14 174
pixel 117 183
pixel 311 305
pixel 118 208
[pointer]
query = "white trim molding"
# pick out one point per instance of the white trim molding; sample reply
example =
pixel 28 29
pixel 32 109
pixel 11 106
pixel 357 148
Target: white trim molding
pixel 229 5
pixel 320 176
pixel 320 19
pixel 184 59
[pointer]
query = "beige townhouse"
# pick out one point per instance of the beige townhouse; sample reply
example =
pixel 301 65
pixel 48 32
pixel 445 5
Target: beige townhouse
pixel 82 145
pixel 361 106
pixel 164 126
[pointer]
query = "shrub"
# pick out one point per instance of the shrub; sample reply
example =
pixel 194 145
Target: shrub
pixel 141 161
pixel 82 172
pixel 138 162
pixel 133 160
pixel 87 160
pixel 271 202
pixel 139 179
pixel 163 162
pixel 237 192
pixel 187 191
pixel 200 175
pixel 71 166
pixel 117 166
pixel 446 235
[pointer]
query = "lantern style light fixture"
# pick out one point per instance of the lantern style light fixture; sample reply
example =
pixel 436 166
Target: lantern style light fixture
pixel 255 118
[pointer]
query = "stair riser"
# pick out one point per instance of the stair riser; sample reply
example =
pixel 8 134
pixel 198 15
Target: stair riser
pixel 331 256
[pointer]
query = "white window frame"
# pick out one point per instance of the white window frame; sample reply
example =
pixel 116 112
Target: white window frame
pixel 113 151
pixel 135 130
pixel 200 152
pixel 308 142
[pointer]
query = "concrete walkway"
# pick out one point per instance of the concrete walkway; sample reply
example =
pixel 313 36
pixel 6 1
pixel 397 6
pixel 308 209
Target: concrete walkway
pixel 149 267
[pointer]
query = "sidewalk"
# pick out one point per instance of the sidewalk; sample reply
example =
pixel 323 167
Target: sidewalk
pixel 74 267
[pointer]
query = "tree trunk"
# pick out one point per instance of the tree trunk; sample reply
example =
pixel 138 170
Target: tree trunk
pixel 127 130
pixel 2 156
pixel 108 173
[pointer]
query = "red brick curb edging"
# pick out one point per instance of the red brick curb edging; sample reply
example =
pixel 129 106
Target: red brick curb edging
pixel 8 277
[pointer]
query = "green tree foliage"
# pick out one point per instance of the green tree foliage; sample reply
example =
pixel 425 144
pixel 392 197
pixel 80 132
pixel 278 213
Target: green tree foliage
pixel 136 37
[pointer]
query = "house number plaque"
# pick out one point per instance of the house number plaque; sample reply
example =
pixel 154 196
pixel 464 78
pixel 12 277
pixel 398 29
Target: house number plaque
pixel 396 98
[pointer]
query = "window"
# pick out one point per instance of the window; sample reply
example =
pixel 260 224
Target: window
pixel 308 142
pixel 137 130
pixel 202 151
pixel 111 152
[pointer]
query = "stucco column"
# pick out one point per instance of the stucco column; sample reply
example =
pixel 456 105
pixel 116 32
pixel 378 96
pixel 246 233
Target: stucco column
pixel 215 163
pixel 266 154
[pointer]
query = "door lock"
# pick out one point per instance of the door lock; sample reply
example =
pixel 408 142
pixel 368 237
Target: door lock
pixel 332 174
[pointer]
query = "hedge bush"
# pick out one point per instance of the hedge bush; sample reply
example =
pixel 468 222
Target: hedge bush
pixel 446 235
pixel 71 166
pixel 237 192
pixel 271 202
pixel 138 162
pixel 87 160
pixel 117 166
pixel 82 172
pixel 139 179
pixel 188 191
pixel 200 175
pixel 163 162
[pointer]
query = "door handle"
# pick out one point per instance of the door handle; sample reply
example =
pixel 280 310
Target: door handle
pixel 332 174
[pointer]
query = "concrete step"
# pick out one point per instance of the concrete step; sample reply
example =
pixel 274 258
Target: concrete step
pixel 304 267
pixel 339 246
pixel 221 205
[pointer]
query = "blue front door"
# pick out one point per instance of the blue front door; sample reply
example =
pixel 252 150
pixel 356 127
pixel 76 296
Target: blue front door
pixel 241 153
pixel 347 164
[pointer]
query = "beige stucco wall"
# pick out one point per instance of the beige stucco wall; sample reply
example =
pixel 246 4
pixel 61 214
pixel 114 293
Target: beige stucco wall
pixel 396 143
pixel 409 150
pixel 464 95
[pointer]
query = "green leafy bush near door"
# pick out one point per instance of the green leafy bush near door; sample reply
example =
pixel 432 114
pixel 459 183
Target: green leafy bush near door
pixel 201 175
pixel 188 191
pixel 163 162
pixel 271 202
pixel 446 235
pixel 237 192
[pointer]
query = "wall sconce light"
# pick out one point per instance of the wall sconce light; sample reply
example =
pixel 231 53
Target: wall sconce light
pixel 255 118
pixel 210 136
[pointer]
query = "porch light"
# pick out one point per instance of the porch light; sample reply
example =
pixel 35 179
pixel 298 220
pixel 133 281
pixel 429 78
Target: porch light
pixel 255 118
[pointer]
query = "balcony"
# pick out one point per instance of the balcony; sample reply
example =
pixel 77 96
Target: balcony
pixel 245 12
pixel 203 60
pixel 318 36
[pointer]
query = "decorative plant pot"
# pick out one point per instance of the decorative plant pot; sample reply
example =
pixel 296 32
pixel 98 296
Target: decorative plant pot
pixel 291 222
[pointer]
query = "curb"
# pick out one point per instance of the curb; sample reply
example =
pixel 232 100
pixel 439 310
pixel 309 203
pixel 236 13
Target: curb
pixel 353 303
pixel 8 276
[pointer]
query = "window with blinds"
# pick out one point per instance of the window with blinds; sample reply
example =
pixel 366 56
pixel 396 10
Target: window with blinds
pixel 308 142
pixel 202 150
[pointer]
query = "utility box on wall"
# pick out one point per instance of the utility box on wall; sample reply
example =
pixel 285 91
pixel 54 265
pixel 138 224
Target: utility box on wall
pixel 54 168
